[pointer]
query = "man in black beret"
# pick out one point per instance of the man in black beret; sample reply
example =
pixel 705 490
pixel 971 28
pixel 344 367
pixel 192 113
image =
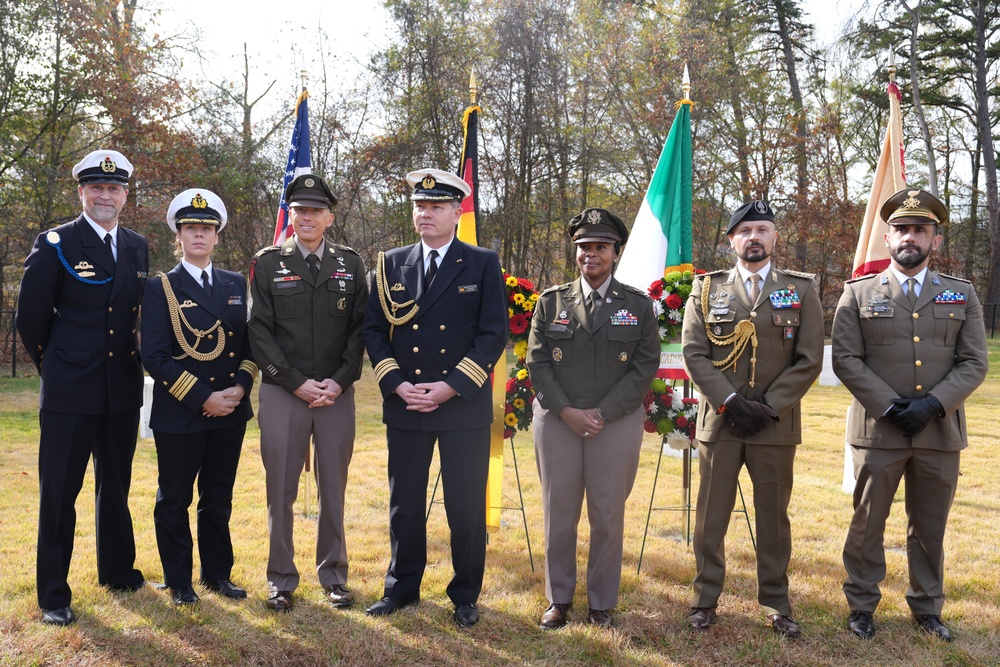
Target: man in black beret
pixel 910 345
pixel 753 345
pixel 308 298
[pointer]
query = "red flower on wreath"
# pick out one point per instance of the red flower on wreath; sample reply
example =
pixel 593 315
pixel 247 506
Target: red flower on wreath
pixel 674 302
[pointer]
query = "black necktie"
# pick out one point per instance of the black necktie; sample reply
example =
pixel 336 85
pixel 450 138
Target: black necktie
pixel 432 268
pixel 205 282
pixel 313 266
pixel 107 244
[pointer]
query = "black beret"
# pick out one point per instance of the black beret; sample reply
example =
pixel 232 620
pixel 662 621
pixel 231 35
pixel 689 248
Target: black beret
pixel 753 210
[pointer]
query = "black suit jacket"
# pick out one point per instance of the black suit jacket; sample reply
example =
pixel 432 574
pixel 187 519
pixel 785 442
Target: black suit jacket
pixel 181 386
pixel 458 334
pixel 82 335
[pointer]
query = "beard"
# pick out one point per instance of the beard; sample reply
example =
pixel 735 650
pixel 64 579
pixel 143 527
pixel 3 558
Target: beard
pixel 754 253
pixel 908 257
pixel 103 213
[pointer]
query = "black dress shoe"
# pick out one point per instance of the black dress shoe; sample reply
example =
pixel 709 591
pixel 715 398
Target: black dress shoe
pixel 702 618
pixel 225 588
pixel 785 626
pixel 599 617
pixel 466 614
pixel 280 601
pixel 554 617
pixel 932 625
pixel 339 597
pixel 184 595
pixel 126 588
pixel 861 625
pixel 62 616
pixel 389 605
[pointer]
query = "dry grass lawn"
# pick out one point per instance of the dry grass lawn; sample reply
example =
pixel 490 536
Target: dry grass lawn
pixel 650 629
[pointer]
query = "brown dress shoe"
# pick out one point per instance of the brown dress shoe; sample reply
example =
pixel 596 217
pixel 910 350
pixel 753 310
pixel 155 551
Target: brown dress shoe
pixel 600 617
pixel 554 617
pixel 784 625
pixel 702 618
pixel 280 601
pixel 339 597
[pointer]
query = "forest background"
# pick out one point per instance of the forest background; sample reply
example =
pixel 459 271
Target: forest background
pixel 577 99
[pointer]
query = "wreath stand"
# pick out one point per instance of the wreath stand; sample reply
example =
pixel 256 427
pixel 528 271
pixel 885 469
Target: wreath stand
pixel 519 506
pixel 685 505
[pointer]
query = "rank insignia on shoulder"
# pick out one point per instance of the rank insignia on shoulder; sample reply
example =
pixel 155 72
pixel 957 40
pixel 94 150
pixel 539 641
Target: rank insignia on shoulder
pixel 947 296
pixel 557 354
pixel 398 287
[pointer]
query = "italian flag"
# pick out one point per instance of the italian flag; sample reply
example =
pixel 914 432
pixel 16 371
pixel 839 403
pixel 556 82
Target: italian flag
pixel 660 241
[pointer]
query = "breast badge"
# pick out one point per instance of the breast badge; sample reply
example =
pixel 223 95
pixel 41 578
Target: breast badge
pixel 342 304
pixel 624 318
pixel 623 357
pixel 557 354
pixel 785 298
pixel 83 269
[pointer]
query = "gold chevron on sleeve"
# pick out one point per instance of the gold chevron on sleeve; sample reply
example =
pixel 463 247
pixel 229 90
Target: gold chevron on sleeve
pixel 385 367
pixel 183 385
pixel 473 370
pixel 250 367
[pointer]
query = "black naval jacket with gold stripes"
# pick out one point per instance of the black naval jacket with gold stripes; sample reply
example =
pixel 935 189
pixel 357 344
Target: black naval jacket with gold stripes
pixel 76 313
pixel 181 383
pixel 458 333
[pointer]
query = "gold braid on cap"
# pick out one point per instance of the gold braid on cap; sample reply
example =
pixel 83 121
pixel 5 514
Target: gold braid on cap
pixel 389 307
pixel 744 332
pixel 177 316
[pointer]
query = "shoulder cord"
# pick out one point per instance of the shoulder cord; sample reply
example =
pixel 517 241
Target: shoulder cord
pixel 62 259
pixel 389 307
pixel 744 332
pixel 176 316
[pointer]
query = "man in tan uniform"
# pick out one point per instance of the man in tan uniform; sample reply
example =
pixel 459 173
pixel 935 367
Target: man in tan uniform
pixel 911 346
pixel 753 345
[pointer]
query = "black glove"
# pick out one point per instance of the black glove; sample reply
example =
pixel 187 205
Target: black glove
pixel 745 418
pixel 915 413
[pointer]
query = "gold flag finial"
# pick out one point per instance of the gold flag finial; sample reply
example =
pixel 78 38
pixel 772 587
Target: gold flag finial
pixel 891 68
pixel 686 88
pixel 473 90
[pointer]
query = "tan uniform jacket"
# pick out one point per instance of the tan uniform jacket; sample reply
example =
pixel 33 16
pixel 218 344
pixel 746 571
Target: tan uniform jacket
pixel 789 351
pixel 884 348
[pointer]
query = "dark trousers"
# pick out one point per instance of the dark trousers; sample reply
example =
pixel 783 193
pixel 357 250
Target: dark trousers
pixel 465 458
pixel 212 457
pixel 65 447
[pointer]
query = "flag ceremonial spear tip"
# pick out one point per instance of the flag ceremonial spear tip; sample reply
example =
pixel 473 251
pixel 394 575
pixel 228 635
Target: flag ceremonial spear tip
pixel 686 88
pixel 473 90
pixel 891 68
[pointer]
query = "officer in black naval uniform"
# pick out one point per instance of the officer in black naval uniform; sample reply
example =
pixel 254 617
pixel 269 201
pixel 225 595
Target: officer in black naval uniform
pixel 436 325
pixel 910 345
pixel 307 308
pixel 195 347
pixel 76 313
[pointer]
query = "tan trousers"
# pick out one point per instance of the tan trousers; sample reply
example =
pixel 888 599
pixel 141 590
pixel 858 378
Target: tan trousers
pixel 604 468
pixel 286 424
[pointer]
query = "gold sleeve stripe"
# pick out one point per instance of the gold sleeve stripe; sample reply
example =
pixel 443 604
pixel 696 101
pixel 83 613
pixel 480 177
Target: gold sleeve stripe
pixel 473 370
pixel 249 366
pixel 183 385
pixel 385 367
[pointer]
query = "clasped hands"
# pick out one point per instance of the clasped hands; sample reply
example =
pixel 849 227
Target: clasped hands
pixel 914 414
pixel 745 418
pixel 584 423
pixel 222 403
pixel 426 396
pixel 319 393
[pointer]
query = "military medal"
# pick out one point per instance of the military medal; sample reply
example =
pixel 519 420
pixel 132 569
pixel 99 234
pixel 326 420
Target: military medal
pixel 949 297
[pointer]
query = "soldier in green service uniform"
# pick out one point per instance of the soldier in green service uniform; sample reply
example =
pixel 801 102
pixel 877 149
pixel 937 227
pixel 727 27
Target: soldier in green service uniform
pixel 753 345
pixel 910 345
pixel 592 352
pixel 308 300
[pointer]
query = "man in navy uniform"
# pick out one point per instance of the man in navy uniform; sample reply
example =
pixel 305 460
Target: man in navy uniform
pixel 308 304
pixel 436 325
pixel 910 345
pixel 76 313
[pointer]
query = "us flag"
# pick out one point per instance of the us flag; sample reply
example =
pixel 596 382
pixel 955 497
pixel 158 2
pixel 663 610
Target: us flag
pixel 298 163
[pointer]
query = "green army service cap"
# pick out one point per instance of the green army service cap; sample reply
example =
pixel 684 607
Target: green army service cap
pixel 911 203
pixel 309 191
pixel 597 225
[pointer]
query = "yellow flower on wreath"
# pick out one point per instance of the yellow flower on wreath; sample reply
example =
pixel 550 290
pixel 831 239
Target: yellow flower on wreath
pixel 511 281
pixel 518 403
pixel 519 299
pixel 523 373
pixel 521 349
pixel 510 419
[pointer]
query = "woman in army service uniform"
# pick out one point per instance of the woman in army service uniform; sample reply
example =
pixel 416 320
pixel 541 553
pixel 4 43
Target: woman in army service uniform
pixel 195 347
pixel 593 350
